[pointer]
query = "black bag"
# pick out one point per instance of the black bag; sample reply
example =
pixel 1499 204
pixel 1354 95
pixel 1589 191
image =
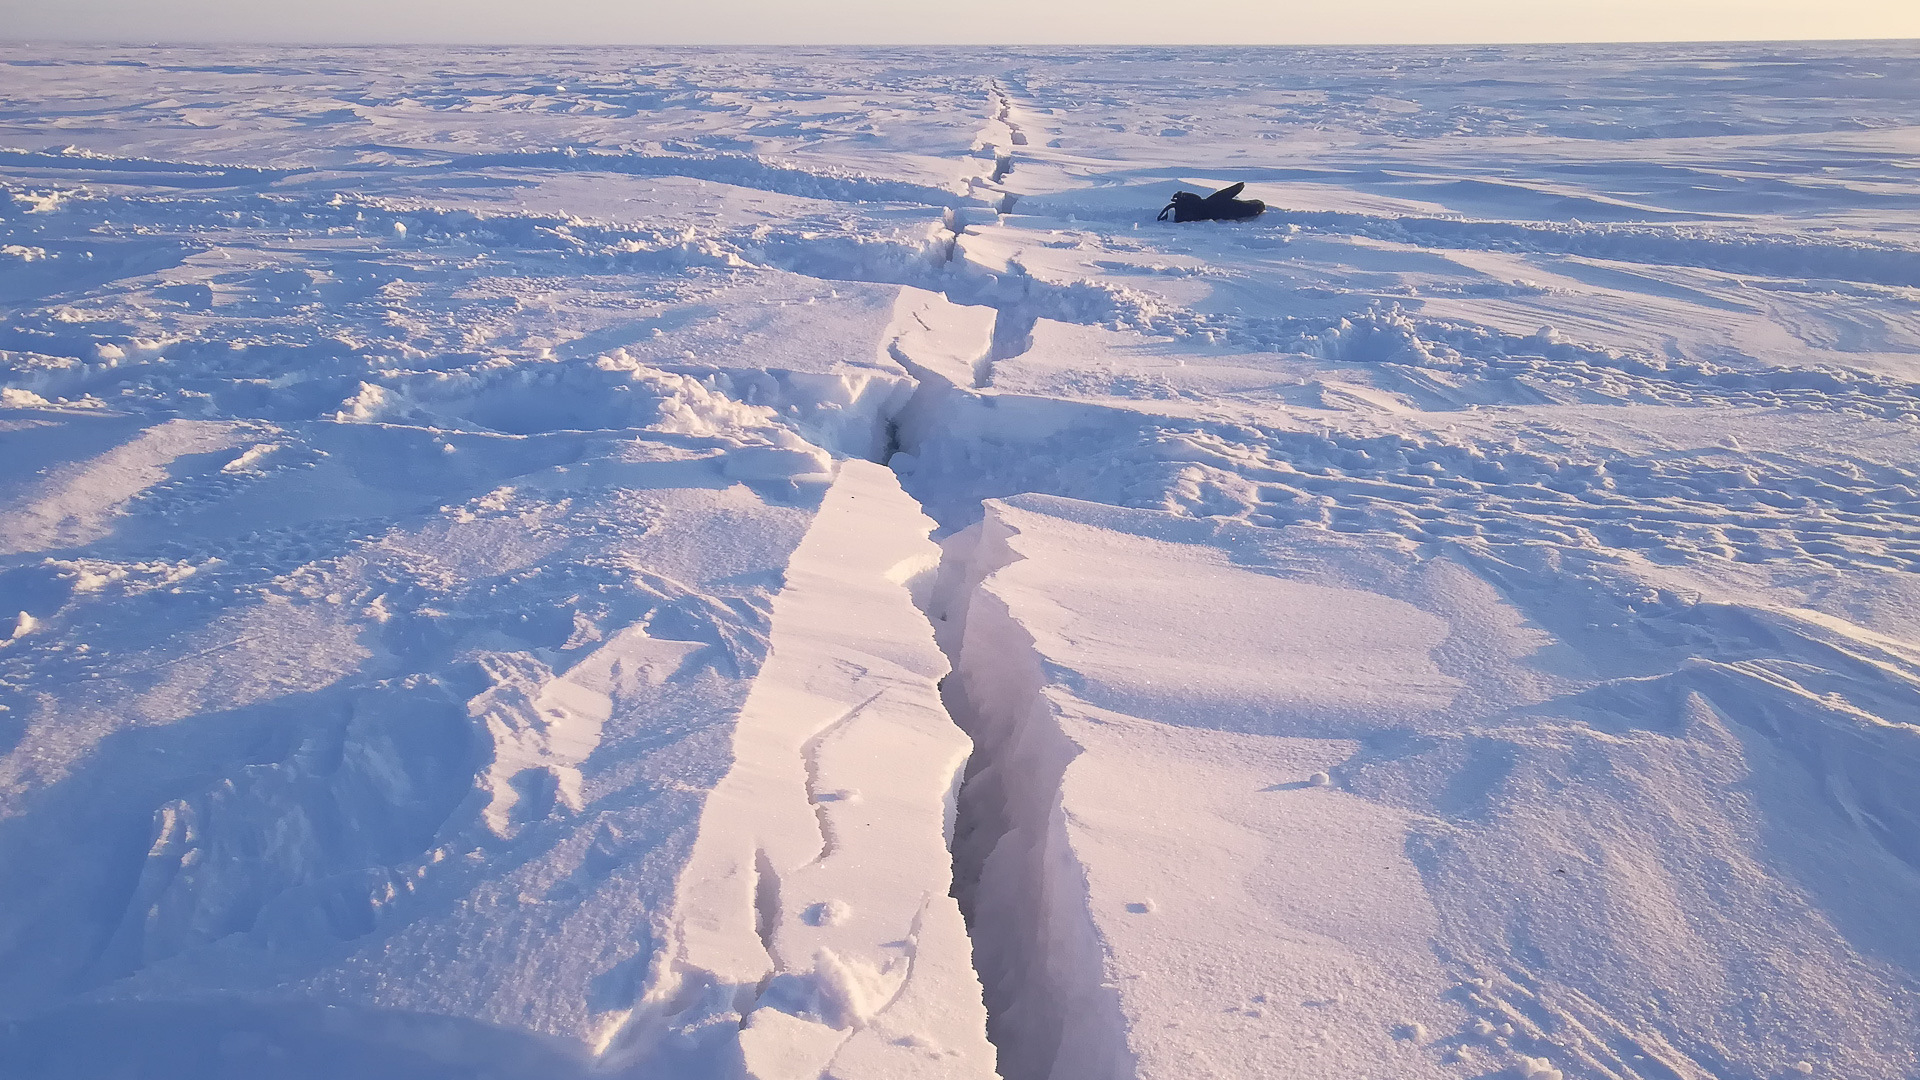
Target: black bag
pixel 1219 206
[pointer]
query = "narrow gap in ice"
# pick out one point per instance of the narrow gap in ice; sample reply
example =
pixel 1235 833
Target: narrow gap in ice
pixel 766 901
pixel 818 795
pixel 1036 953
pixel 1012 336
pixel 1035 950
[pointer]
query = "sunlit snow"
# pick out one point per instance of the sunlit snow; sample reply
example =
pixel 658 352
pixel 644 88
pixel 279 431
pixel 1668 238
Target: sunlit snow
pixel 541 563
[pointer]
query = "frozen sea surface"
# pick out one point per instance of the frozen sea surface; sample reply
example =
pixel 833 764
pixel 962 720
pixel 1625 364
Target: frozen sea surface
pixel 672 563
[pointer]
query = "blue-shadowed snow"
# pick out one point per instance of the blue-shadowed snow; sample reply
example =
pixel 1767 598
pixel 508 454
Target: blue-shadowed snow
pixel 1465 622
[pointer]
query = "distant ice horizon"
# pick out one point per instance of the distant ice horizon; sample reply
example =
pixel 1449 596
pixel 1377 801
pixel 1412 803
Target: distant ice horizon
pixel 348 43
pixel 995 22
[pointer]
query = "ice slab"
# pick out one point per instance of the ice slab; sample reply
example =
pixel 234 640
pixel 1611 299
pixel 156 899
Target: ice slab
pixel 1149 712
pixel 812 932
pixel 1249 803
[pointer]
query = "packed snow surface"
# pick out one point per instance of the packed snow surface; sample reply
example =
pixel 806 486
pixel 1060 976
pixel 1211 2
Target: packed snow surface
pixel 681 564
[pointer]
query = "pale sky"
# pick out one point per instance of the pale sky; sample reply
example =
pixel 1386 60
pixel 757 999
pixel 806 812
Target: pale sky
pixel 954 21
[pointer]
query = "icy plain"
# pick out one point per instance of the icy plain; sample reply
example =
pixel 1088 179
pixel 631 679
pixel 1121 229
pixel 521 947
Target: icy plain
pixel 661 563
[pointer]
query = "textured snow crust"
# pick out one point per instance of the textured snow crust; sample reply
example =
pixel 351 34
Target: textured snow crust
pixel 549 563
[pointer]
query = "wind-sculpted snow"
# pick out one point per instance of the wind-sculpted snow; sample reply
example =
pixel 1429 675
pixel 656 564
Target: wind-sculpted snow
pixel 455 619
pixel 415 565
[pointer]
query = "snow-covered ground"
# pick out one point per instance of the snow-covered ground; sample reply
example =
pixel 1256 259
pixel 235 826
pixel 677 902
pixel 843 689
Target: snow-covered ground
pixel 460 620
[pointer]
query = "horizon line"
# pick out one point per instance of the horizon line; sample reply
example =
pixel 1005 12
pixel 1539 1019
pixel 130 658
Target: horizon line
pixel 479 44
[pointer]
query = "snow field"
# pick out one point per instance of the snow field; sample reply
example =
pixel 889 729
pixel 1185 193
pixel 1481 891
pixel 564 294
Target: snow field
pixel 453 638
pixel 1460 624
pixel 1559 608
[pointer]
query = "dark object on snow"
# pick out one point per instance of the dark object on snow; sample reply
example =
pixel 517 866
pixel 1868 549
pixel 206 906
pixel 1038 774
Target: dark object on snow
pixel 1219 206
